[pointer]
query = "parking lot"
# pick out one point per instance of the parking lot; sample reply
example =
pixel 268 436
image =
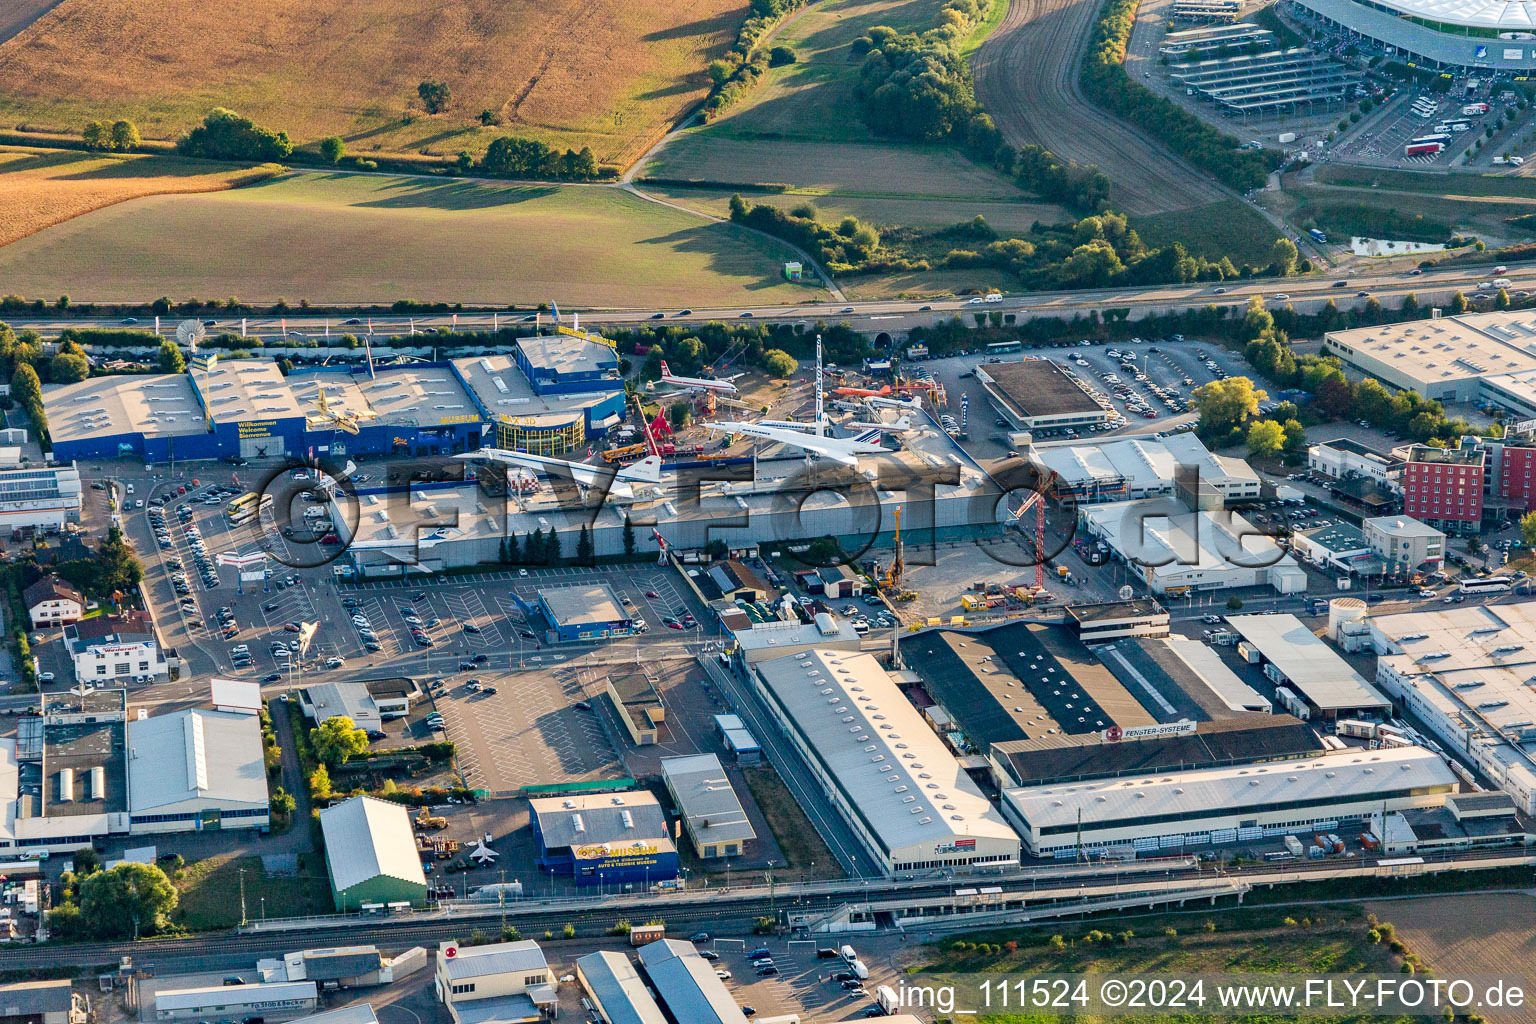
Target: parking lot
pixel 803 982
pixel 1168 367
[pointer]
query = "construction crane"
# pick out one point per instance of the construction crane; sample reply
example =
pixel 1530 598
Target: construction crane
pixel 341 419
pixel 1036 501
pixel 891 581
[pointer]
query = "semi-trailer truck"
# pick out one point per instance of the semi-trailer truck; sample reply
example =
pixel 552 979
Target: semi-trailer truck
pixel 1424 148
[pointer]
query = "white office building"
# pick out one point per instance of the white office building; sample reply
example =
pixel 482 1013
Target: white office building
pixel 1466 674
pixel 1344 459
pixel 500 983
pixel 1177 550
pixel 42 497
pixel 111 648
pixel 901 791
pixel 1217 806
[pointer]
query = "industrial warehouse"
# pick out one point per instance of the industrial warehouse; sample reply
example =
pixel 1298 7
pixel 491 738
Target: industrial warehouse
pixel 80 772
pixel 549 398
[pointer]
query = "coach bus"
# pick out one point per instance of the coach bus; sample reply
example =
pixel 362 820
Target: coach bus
pixel 1487 585
pixel 1000 348
pixel 244 508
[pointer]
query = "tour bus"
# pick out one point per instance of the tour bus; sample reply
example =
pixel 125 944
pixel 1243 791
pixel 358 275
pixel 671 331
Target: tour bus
pixel 244 508
pixel 1486 585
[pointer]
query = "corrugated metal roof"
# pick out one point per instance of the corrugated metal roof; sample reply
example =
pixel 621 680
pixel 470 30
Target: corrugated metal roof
pixel 687 984
pixel 169 761
pixel 613 983
pixel 582 819
pixel 1344 776
pixel 365 838
pixel 497 958
pixel 232 995
pixel 1324 678
pixel 706 799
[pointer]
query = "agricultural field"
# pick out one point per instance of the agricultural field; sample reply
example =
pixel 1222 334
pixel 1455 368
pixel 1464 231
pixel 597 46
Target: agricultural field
pixel 802 126
pixel 40 188
pixel 610 74
pixel 1451 186
pixel 1005 217
pixel 368 239
pixel 1459 936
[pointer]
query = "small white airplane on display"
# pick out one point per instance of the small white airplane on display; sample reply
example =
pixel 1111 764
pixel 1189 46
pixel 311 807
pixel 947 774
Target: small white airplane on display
pixel 482 853
pixel 722 385
pixel 646 471
pixel 845 451
pixel 901 426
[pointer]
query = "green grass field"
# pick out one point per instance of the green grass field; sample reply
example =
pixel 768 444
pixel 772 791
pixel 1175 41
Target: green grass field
pixel 1488 217
pixel 1508 186
pixel 210 892
pixel 364 239
pixel 1331 940
pixel 1005 217
pixel 1225 228
pixel 802 126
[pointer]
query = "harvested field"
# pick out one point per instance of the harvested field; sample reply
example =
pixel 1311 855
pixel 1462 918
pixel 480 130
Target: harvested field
pixel 857 169
pixel 371 239
pixel 1026 78
pixel 1005 217
pixel 935 284
pixel 1458 936
pixel 40 188
pixel 610 74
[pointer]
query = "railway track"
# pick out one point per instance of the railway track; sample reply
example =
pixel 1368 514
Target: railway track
pixel 1026 78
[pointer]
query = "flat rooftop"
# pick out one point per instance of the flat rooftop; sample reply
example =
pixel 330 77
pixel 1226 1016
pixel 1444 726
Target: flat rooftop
pixel 1324 678
pixel 590 818
pixel 1337 777
pixel 1479 659
pixel 580 606
pixel 246 390
pixel 80 749
pixel 1228 741
pixel 1004 684
pixel 1140 463
pixel 1038 387
pixel 706 799
pixel 1173 680
pixel 1446 456
pixel 637 696
pixel 1402 526
pixel 1447 349
pixel 856 721
pixel 159 405
pixel 1353 447
pixel 497 382
pixel 1115 611
pixel 565 354
pixel 414 395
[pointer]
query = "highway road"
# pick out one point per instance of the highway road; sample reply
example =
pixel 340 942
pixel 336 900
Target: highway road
pixel 1306 294
pixel 723 912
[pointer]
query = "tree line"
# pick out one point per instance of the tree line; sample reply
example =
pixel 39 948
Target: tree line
pixel 1104 78
pixel 917 86
pixel 743 67
pixel 1097 251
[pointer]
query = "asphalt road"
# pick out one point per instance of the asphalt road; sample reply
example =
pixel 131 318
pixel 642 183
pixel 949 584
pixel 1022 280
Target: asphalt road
pixel 1306 294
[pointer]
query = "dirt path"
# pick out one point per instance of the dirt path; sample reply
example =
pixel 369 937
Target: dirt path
pixel 1026 78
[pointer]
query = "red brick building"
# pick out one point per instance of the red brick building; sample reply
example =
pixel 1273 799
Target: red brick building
pixel 1444 487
